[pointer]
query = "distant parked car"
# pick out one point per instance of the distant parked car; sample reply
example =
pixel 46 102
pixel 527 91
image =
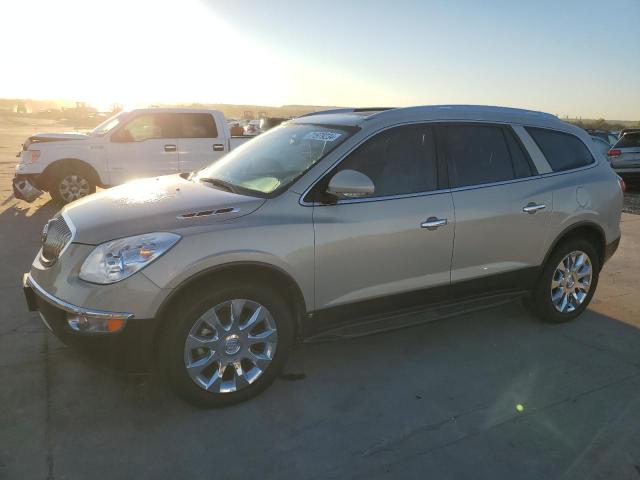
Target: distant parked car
pixel 606 135
pixel 267 123
pixel 625 157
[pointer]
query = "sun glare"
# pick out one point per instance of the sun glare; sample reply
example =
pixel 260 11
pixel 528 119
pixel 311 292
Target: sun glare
pixel 140 52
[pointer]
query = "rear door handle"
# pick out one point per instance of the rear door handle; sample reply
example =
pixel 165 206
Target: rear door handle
pixel 170 148
pixel 218 147
pixel 432 223
pixel 533 207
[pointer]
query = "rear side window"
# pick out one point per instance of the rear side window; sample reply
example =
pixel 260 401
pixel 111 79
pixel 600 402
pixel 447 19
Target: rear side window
pixel 197 125
pixel 479 154
pixel 562 150
pixel 629 140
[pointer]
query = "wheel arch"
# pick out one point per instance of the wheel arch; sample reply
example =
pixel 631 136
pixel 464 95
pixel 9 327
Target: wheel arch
pixel 262 272
pixel 585 229
pixel 55 166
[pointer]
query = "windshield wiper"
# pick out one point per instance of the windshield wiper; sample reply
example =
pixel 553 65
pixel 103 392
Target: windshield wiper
pixel 216 182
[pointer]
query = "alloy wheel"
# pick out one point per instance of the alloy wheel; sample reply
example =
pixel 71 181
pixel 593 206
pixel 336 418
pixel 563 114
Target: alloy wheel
pixel 230 346
pixel 571 281
pixel 73 187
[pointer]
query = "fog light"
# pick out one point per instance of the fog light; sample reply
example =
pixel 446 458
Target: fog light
pixel 86 324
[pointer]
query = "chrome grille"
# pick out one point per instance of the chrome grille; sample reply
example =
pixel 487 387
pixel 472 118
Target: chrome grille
pixel 55 236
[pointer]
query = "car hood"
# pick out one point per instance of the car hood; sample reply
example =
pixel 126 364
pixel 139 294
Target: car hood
pixel 156 204
pixel 56 137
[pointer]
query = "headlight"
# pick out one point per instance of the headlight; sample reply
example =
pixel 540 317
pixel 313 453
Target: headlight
pixel 118 259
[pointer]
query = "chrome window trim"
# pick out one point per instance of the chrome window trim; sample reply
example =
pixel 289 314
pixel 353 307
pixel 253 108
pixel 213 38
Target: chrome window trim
pixel 70 308
pixel 551 173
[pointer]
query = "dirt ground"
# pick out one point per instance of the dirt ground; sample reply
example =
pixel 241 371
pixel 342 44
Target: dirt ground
pixel 491 394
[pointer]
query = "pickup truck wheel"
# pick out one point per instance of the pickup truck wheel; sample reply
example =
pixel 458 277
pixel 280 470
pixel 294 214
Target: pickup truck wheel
pixel 227 345
pixel 69 185
pixel 567 283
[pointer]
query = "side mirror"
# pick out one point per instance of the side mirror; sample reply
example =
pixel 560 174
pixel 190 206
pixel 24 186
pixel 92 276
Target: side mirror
pixel 122 136
pixel 350 184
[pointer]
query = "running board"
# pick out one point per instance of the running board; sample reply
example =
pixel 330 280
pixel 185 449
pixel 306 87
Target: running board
pixel 397 321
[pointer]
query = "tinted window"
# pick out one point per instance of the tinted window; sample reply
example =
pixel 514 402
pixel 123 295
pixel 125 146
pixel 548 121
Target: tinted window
pixel 480 154
pixel 629 140
pixel 562 150
pixel 156 125
pixel 198 125
pixel 399 161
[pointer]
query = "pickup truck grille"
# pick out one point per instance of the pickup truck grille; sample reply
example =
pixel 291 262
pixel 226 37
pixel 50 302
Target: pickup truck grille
pixel 55 236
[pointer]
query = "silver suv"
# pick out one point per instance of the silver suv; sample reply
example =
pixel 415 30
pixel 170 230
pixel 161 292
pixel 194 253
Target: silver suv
pixel 329 225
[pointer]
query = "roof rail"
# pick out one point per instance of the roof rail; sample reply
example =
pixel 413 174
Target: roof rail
pixel 332 110
pixel 347 110
pixel 479 108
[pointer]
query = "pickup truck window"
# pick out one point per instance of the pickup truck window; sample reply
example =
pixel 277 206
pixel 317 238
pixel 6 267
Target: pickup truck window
pixel 275 159
pixel 197 125
pixel 146 127
pixel 109 124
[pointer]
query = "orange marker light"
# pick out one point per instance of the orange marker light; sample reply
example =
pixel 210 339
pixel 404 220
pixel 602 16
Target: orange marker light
pixel 114 324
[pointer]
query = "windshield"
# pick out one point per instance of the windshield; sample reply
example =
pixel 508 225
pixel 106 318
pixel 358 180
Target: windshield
pixel 274 159
pixel 109 124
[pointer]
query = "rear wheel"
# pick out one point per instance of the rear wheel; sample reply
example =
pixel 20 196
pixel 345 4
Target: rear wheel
pixel 227 344
pixel 567 283
pixel 71 184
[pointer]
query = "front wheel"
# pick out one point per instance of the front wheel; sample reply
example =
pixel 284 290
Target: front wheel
pixel 567 283
pixel 69 185
pixel 227 345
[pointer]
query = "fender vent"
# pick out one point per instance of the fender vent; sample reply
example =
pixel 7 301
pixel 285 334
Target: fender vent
pixel 207 213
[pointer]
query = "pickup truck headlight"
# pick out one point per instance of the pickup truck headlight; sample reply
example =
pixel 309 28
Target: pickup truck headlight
pixel 118 259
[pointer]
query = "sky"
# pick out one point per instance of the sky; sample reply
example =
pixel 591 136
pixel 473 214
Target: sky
pixel 570 58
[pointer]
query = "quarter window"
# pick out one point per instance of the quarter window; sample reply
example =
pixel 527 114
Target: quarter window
pixel 398 161
pixel 563 151
pixel 479 154
pixel 197 125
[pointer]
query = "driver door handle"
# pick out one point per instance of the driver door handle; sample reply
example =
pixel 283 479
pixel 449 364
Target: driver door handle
pixel 170 148
pixel 533 207
pixel 432 223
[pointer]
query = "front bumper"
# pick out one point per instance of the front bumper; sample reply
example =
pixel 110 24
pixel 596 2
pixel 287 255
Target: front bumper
pixel 129 349
pixel 24 188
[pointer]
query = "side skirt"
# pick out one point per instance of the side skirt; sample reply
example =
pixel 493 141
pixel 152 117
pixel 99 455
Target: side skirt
pixel 414 308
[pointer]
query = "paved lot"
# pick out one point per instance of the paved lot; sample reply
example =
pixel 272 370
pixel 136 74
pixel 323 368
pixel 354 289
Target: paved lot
pixel 435 401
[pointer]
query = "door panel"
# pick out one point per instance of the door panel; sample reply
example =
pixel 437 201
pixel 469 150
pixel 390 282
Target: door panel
pixel 372 249
pixel 502 209
pixel 493 233
pixel 146 146
pixel 148 158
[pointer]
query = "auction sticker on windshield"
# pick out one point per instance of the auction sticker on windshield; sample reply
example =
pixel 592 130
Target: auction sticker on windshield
pixel 322 136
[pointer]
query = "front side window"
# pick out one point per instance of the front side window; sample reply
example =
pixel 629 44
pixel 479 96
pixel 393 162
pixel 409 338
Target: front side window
pixel 480 154
pixel 150 126
pixel 398 161
pixel 197 125
pixel 563 151
pixel 274 159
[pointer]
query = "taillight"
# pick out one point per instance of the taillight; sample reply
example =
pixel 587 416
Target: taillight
pixel 614 152
pixel 623 186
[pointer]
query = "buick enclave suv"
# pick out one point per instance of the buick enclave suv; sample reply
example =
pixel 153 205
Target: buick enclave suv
pixel 335 223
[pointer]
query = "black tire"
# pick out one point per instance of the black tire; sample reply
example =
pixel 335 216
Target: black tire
pixel 81 175
pixel 189 308
pixel 540 301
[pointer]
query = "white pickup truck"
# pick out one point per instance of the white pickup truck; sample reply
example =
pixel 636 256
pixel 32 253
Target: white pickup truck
pixel 132 144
